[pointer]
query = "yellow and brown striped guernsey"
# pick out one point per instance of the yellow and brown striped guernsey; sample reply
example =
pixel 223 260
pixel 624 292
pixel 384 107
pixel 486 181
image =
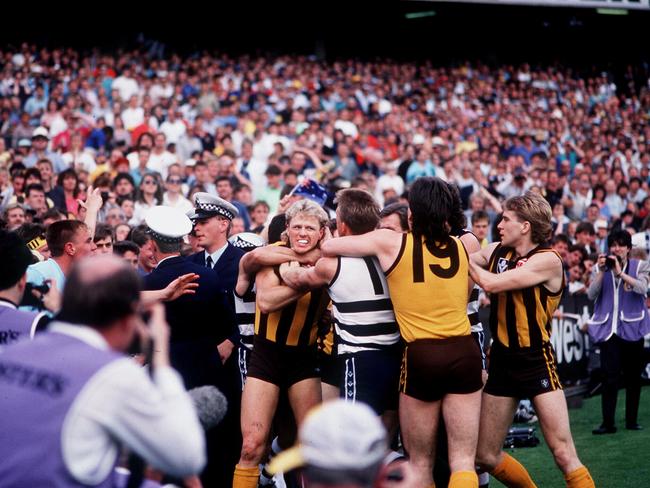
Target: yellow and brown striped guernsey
pixel 429 289
pixel 521 318
pixel 326 332
pixel 297 323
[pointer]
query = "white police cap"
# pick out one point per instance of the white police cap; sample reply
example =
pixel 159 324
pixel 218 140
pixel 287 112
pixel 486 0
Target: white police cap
pixel 246 241
pixel 167 224
pixel 207 205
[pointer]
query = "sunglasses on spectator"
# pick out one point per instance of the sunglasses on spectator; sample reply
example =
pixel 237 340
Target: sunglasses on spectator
pixel 174 181
pixel 148 182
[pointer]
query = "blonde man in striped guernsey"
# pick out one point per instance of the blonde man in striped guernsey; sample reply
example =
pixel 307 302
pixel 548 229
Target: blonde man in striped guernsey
pixel 525 280
pixel 284 352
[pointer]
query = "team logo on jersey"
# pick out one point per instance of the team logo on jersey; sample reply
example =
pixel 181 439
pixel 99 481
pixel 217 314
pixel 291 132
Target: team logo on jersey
pixel 545 383
pixel 521 262
pixel 502 265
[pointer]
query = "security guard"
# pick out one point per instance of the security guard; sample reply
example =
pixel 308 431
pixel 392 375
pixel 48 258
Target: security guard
pixel 199 324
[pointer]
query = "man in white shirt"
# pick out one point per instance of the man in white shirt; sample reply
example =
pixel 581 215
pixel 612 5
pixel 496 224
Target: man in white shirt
pixel 160 158
pixel 95 397
pixel 125 85
pixel 133 115
pixel 641 240
pixel 173 128
pixel 389 180
pixel 252 168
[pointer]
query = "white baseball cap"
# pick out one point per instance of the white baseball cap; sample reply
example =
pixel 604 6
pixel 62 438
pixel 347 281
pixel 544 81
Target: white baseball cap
pixel 40 132
pixel 337 435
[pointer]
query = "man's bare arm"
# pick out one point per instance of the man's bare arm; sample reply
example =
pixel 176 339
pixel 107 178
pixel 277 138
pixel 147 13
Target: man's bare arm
pixel 244 279
pixel 383 243
pixel 543 268
pixel 481 258
pixel 470 241
pixel 272 295
pixel 255 260
pixel 91 207
pixel 302 278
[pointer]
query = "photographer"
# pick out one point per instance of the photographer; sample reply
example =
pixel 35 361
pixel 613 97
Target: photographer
pixel 15 324
pixel 72 397
pixel 619 322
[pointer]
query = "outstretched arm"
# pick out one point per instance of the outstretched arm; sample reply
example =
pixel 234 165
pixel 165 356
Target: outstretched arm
pixel 470 241
pixel 541 268
pixel 91 207
pixel 383 243
pixel 257 259
pixel 183 285
pixel 481 257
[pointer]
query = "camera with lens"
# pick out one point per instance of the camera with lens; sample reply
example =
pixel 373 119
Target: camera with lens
pixel 29 300
pixel 610 263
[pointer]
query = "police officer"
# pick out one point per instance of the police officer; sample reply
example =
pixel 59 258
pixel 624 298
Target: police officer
pixel 71 397
pixel 15 324
pixel 212 219
pixel 200 324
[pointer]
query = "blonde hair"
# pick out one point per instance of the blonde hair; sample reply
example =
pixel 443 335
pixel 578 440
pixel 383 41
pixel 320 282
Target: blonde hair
pixel 308 208
pixel 534 209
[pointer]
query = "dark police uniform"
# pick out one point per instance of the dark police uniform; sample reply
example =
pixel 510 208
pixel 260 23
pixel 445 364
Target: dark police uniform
pixel 198 324
pixel 227 266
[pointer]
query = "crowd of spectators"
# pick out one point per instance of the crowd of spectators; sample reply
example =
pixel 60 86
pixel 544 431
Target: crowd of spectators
pixel 149 131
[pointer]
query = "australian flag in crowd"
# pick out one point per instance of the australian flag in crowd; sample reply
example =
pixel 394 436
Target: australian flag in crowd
pixel 312 190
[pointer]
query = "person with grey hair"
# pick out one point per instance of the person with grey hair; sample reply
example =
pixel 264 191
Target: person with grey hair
pixel 113 215
pixel 14 216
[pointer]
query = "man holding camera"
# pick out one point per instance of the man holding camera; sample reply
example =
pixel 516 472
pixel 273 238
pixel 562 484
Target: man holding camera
pixel 15 324
pixel 71 397
pixel 620 320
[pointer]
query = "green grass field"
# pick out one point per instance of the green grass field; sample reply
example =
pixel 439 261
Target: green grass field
pixel 615 461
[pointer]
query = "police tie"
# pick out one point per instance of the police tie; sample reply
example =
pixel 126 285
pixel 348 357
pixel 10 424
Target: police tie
pixel 208 262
